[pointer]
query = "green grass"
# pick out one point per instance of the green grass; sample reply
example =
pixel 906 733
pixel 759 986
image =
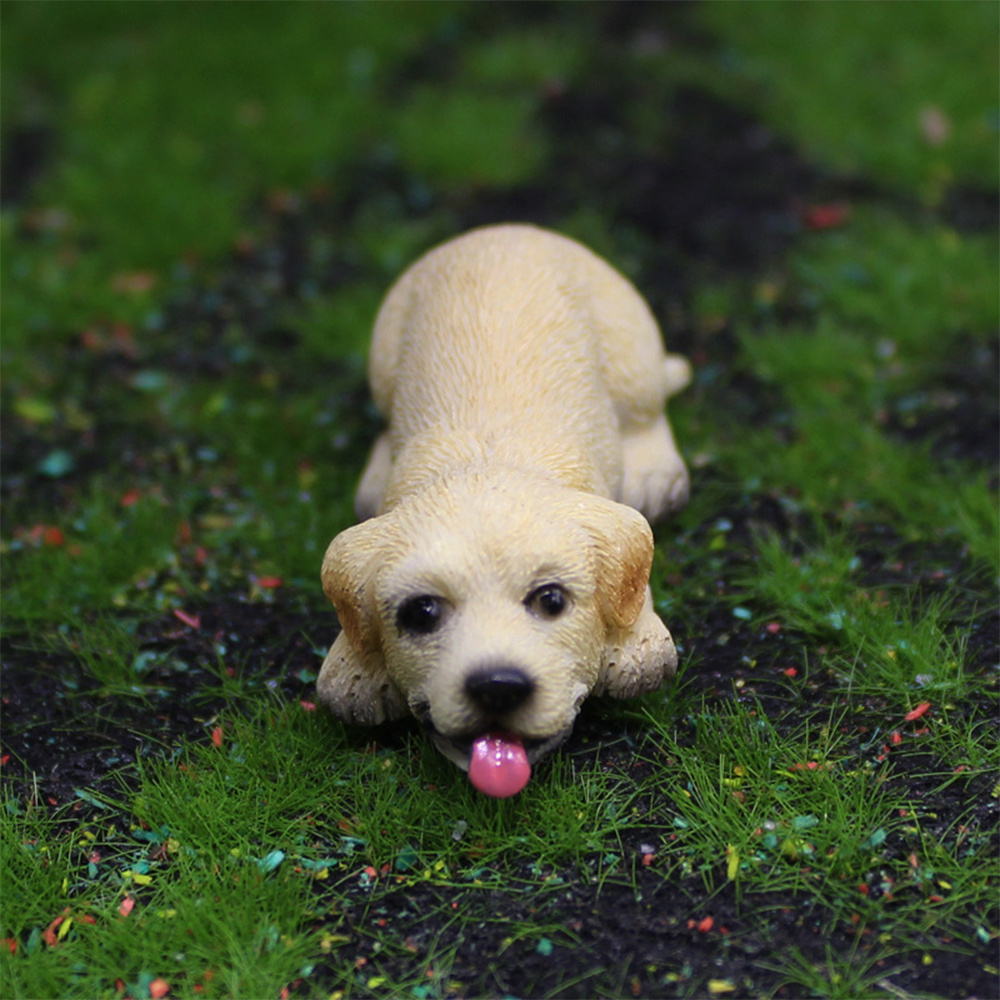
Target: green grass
pixel 874 73
pixel 755 803
pixel 218 914
pixel 275 849
pixel 892 640
pixel 151 170
pixel 229 847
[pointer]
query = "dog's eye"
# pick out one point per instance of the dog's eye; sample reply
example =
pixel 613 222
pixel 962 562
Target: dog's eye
pixel 420 615
pixel 549 601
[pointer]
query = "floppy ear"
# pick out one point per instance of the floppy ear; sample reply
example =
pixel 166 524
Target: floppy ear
pixel 623 556
pixel 639 652
pixel 348 581
pixel 353 682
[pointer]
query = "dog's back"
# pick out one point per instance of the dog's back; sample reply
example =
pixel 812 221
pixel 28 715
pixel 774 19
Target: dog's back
pixel 523 343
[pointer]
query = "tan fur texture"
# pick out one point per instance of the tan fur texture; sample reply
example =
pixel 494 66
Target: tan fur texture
pixel 524 382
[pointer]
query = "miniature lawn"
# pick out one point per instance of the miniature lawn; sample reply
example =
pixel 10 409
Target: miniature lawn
pixel 201 210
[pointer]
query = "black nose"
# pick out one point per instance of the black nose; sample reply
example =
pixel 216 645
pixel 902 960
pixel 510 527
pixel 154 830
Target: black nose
pixel 499 689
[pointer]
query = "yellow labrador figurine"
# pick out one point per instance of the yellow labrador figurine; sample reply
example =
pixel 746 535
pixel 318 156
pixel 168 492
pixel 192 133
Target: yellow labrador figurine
pixel 500 572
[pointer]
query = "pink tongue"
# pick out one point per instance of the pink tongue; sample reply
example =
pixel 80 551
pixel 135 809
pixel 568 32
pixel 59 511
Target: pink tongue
pixel 499 765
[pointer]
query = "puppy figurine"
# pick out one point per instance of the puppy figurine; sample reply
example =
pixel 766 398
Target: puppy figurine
pixel 500 572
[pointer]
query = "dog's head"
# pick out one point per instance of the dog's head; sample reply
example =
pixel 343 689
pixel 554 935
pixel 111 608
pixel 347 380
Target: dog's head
pixel 492 604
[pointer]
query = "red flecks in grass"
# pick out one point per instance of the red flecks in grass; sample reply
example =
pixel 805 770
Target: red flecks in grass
pixel 217 736
pixel 49 934
pixel 918 711
pixel 127 904
pixel 92 339
pixel 192 621
pixel 648 859
pixel 131 498
pixel 133 282
pixel 52 536
pixel 791 672
pixel 773 627
pixel 123 337
pixel 159 853
pixel 42 534
pixel 10 944
pixel 825 216
pixel 269 582
pixel 120 339
pixel 88 918
pixel 897 737
pixel 704 925
pixel 4 759
pixel 309 706
pixel 159 988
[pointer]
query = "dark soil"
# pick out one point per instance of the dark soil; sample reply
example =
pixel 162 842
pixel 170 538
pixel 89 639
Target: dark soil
pixel 65 733
pixel 720 194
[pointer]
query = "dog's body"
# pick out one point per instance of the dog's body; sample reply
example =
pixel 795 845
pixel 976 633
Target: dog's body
pixel 502 574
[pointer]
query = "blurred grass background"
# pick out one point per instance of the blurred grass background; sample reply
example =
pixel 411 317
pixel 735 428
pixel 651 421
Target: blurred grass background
pixel 142 140
pixel 162 122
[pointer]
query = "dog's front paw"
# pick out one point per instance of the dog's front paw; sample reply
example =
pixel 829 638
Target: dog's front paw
pixel 356 689
pixel 638 659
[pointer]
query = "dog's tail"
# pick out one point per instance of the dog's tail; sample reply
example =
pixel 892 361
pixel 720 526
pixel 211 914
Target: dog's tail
pixel 676 374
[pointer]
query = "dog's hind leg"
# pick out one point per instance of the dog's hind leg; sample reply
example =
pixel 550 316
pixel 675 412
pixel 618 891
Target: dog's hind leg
pixel 640 377
pixel 382 360
pixel 655 479
pixel 374 479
